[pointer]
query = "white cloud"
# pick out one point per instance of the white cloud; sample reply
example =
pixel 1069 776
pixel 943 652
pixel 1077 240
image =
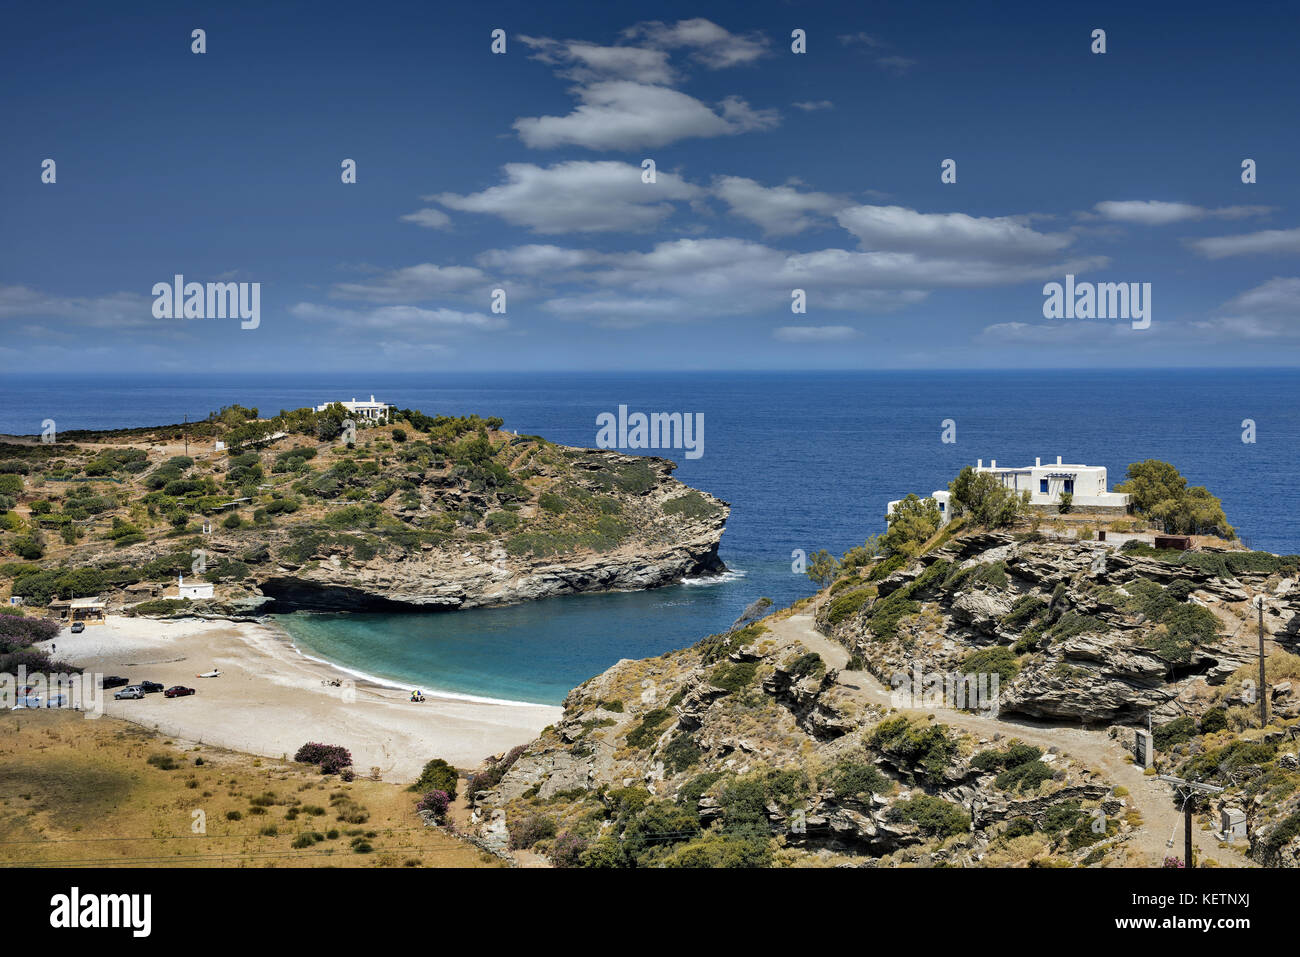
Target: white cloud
pixel 1060 333
pixel 898 65
pixel 414 283
pixel 537 260
pixel 1153 212
pixel 113 310
pixel 812 106
pixel 778 210
pixel 690 279
pixel 1278 296
pixel 711 45
pixel 585 62
pixel 815 333
pixel 399 318
pixel 1270 310
pixel 626 115
pixel 429 218
pixel 1268 242
pixel 860 39
pixel 950 234
pixel 577 196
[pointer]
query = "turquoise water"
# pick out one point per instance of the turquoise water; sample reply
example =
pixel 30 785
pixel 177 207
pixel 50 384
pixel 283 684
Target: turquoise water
pixel 535 652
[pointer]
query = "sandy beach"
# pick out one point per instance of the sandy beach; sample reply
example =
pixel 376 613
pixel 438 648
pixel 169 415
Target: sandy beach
pixel 270 699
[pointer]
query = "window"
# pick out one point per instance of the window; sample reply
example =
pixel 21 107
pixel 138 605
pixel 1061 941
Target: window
pixel 1069 486
pixel 1042 486
pixel 941 506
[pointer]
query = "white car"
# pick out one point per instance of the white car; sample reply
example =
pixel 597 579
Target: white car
pixel 134 691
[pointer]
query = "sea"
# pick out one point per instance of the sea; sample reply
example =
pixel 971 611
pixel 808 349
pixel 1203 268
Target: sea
pixel 807 460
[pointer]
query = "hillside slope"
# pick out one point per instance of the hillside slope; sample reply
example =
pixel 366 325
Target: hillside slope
pixel 425 513
pixel 778 744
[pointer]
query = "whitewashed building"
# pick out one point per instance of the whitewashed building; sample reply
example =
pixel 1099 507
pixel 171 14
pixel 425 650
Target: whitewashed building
pixel 371 411
pixel 1045 483
pixel 194 590
pixel 1086 485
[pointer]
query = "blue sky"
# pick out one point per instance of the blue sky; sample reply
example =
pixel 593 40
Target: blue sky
pixel 522 172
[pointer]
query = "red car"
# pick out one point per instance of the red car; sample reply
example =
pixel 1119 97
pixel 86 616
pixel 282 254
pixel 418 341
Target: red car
pixel 177 691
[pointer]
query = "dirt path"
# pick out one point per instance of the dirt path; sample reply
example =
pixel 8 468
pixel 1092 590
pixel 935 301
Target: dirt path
pixel 1095 749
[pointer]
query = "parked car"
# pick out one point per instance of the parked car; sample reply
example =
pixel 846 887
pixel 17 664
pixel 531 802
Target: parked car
pixel 130 692
pixel 149 687
pixel 177 691
pixel 78 627
pixel 114 681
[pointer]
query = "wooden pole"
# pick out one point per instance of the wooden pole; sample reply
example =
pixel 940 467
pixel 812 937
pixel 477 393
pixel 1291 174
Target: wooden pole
pixel 1187 821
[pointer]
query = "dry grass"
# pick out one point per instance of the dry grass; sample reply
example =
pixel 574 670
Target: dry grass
pixel 85 793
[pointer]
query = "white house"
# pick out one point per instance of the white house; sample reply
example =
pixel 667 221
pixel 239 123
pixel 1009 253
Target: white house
pixel 372 411
pixel 1045 483
pixel 1085 483
pixel 195 590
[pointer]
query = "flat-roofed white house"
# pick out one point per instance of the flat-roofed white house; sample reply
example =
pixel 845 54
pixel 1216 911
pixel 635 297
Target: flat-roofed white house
pixel 371 411
pixel 1086 485
pixel 193 590
pixel 1045 483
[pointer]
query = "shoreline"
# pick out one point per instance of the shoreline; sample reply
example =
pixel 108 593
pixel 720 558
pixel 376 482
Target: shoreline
pixel 272 698
pixel 386 684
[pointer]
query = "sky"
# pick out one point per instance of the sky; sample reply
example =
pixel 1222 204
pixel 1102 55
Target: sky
pixel 524 172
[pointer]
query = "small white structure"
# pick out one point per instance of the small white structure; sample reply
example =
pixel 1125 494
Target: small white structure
pixel 371 411
pixel 1144 750
pixel 1232 823
pixel 219 446
pixel 941 496
pixel 15 599
pixel 195 590
pixel 1086 485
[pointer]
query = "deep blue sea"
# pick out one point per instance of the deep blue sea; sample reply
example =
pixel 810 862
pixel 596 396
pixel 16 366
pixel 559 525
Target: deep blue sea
pixel 807 461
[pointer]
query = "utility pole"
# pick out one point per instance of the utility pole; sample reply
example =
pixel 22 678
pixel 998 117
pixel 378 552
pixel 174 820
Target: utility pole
pixel 1263 680
pixel 1190 789
pixel 186 432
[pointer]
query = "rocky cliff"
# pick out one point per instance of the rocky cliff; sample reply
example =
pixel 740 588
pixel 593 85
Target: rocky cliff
pixel 460 515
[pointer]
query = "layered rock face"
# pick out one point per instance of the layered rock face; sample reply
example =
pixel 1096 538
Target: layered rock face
pixel 1090 634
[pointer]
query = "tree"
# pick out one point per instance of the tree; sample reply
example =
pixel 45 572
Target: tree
pixel 911 523
pixel 822 567
pixel 1066 503
pixel 983 498
pixel 438 775
pixel 1157 491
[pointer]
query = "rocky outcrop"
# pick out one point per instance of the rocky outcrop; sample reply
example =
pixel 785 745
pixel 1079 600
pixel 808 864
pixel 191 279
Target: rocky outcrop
pixel 1097 635
pixel 694 729
pixel 558 521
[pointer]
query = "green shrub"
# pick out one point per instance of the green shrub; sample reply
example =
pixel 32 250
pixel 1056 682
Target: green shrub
pixel 733 676
pixel 933 816
pixel 437 775
pixel 997 659
pixel 649 728
pixel 1177 731
pixel 680 754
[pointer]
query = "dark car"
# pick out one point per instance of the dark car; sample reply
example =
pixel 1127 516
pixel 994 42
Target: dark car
pixel 114 681
pixel 149 687
pixel 78 627
pixel 177 691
